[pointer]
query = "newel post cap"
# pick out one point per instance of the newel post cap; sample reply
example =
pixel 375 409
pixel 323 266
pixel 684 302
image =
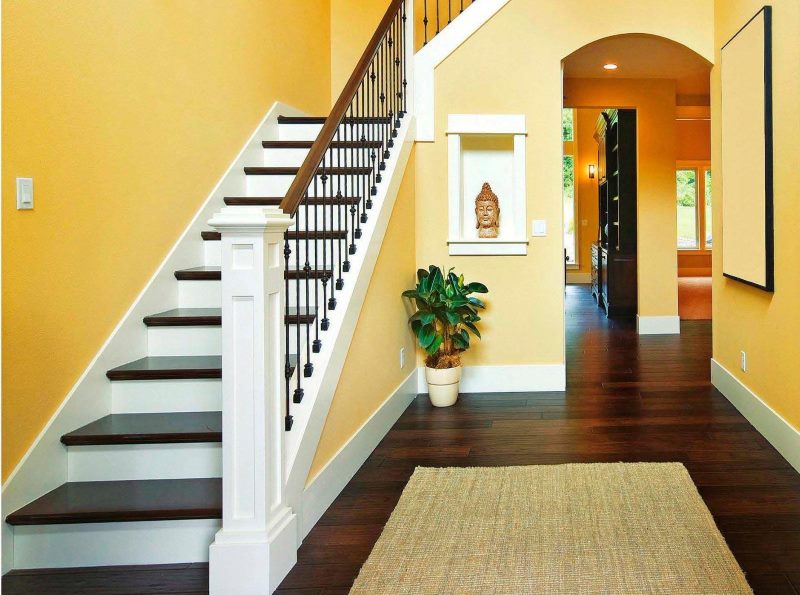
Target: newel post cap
pixel 250 219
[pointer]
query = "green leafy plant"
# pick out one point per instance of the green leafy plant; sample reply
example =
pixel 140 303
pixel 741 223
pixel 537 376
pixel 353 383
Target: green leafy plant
pixel 446 315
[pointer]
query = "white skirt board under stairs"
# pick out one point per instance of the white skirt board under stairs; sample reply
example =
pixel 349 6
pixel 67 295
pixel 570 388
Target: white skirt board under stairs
pixel 144 481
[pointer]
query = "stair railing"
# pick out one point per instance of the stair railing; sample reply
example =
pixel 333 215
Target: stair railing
pixel 332 192
pixel 282 270
pixel 439 14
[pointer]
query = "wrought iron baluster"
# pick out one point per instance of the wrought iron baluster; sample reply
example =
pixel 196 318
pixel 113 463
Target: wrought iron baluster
pixel 425 22
pixel 287 370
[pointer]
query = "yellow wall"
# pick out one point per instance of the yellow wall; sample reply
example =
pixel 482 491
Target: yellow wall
pixel 531 38
pixel 654 100
pixel 693 140
pixel 764 325
pixel 125 114
pixel 353 23
pixel 372 369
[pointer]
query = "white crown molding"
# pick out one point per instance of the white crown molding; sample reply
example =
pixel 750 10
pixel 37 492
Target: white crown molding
pixel 779 432
pixel 434 53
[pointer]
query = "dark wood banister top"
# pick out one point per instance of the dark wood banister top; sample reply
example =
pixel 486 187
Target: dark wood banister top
pixel 305 174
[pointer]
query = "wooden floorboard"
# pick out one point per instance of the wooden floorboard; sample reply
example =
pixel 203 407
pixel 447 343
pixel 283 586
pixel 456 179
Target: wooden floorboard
pixel 629 398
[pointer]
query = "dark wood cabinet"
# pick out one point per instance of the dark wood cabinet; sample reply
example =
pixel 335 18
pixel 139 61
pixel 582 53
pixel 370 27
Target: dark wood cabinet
pixel 615 265
pixel 596 272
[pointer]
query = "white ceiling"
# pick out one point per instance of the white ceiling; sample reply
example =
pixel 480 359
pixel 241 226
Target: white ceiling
pixel 642 56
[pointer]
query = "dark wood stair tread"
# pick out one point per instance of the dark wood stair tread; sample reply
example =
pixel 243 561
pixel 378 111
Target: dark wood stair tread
pixel 149 428
pixel 165 367
pixel 306 144
pixel 213 317
pixel 186 317
pixel 321 119
pixel 292 235
pixel 275 201
pixel 173 367
pixel 292 171
pixel 215 274
pixel 204 273
pixel 124 501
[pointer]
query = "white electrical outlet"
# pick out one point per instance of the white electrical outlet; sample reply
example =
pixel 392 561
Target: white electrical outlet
pixel 743 361
pixel 24 194
pixel 402 357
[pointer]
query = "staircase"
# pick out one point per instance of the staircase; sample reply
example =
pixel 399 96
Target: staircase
pixel 153 482
pixel 151 470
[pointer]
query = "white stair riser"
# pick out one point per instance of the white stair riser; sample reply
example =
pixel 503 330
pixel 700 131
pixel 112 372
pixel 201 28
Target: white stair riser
pixel 112 544
pixel 212 254
pixel 288 157
pixel 166 396
pixel 184 340
pixel 278 185
pixel 309 132
pixel 200 294
pixel 298 131
pixel 284 157
pixel 145 461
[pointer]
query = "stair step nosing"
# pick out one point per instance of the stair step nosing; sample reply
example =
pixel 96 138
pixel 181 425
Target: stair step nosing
pixel 211 437
pixel 114 517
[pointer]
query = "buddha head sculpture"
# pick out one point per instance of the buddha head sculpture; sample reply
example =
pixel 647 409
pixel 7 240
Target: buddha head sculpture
pixel 487 213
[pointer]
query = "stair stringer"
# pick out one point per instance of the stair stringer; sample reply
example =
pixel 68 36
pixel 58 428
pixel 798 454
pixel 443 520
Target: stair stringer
pixel 45 465
pixel 310 415
pixel 475 16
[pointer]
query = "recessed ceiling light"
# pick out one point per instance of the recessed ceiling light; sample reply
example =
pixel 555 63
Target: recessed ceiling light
pixel 610 66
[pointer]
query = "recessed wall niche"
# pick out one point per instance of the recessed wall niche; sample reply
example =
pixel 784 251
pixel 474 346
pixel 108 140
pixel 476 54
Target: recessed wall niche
pixel 486 149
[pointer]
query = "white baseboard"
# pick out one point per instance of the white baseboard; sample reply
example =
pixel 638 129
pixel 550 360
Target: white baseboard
pixel 576 278
pixel 779 432
pixel 507 379
pixel 320 493
pixel 658 325
pixel 113 544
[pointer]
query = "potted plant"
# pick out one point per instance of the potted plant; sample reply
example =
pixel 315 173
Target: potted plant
pixel 445 316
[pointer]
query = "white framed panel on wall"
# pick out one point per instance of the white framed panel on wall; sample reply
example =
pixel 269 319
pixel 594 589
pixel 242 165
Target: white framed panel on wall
pixel 747 190
pixel 486 149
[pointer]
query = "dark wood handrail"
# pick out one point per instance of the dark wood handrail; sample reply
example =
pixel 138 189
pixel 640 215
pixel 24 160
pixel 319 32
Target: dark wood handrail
pixel 305 174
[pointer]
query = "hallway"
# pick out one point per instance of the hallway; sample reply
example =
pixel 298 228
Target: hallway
pixel 629 398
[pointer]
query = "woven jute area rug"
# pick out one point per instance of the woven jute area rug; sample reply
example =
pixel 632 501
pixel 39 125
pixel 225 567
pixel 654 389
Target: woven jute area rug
pixel 594 528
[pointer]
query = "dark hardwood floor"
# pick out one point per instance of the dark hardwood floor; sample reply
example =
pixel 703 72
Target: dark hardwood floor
pixel 629 398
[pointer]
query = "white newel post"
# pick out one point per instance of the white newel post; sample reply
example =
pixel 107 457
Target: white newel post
pixel 257 544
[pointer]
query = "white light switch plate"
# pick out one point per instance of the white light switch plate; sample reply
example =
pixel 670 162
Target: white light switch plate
pixel 24 194
pixel 539 228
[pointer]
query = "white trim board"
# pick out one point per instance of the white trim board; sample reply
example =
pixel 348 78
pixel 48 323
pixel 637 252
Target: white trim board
pixel 507 379
pixel 326 485
pixel 434 53
pixel 779 432
pixel 658 325
pixel 44 466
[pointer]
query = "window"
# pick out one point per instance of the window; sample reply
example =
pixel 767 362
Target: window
pixel 568 191
pixel 570 239
pixel 693 184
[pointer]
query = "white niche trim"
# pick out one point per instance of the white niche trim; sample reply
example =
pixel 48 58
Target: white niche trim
pixel 486 148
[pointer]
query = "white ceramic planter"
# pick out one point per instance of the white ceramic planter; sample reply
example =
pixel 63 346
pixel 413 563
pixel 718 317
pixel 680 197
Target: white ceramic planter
pixel 443 385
